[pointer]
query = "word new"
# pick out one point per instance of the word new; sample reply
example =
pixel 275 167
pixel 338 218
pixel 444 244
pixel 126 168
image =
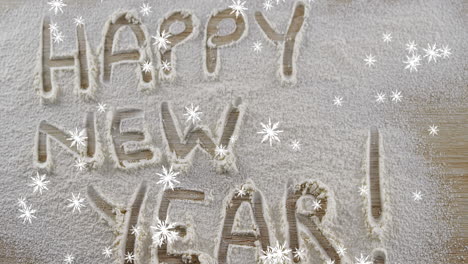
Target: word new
pixel 131 146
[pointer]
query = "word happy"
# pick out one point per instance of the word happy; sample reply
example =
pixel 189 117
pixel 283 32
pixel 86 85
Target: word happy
pixel 89 71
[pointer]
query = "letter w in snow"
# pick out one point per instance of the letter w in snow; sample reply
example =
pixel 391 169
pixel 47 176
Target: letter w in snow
pixel 219 147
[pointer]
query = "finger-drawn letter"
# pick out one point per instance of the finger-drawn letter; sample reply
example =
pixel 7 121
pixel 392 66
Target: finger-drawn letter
pixel 190 30
pixel 87 149
pixel 81 61
pixel 168 196
pixel 140 56
pixel 289 39
pixel 311 222
pixel 214 41
pixel 131 148
pixel 259 237
pixel 182 145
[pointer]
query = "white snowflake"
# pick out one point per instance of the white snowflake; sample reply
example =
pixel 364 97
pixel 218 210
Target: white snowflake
pixel 163 233
pixel 22 202
pixel 363 260
pixel 69 258
pixel 330 261
pixel 396 96
pixel 445 52
pixel 145 9
pixel 363 190
pixel 118 211
pixel 56 5
pixel 341 250
pixel 338 101
pixel 57 37
pixel 53 28
pixel 238 7
pixel 76 202
pixel 296 145
pixel 257 46
pixel 433 130
pixel 27 213
pixel 417 196
pixel 411 47
pixel 412 62
pixel 166 65
pixel 432 53
pixel 147 67
pixel 221 151
pixel 129 257
pixel 161 40
pixel 79 21
pixel 80 164
pixel 300 253
pixel 168 178
pixel 241 192
pixel 278 254
pixel 136 230
pixel 387 37
pixel 370 60
pixel 39 183
pixel 267 5
pixel 232 139
pixel 192 114
pixel 107 252
pixel 380 98
pixel 316 205
pixel 77 138
pixel 270 132
pixel 101 107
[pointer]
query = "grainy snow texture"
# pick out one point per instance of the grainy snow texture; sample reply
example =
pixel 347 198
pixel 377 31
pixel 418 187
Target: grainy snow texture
pixel 336 37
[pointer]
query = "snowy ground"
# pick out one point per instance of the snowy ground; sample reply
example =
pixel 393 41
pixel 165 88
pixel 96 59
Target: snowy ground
pixel 330 65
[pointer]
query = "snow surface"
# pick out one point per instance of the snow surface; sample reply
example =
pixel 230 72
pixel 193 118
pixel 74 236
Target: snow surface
pixel 338 35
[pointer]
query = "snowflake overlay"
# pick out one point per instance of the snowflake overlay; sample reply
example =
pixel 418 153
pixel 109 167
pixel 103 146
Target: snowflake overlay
pixel 363 260
pixel 433 130
pixel 192 114
pixel 77 138
pixel 370 60
pixel 145 9
pixel 101 108
pixel 27 213
pixel 39 183
pixel 163 233
pixel 161 40
pixel 76 202
pixel 270 132
pixel 56 5
pixel 276 255
pixel 417 196
pixel 238 7
pixel 79 21
pixel 257 46
pixel 167 177
pixel 107 252
pixel 296 145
